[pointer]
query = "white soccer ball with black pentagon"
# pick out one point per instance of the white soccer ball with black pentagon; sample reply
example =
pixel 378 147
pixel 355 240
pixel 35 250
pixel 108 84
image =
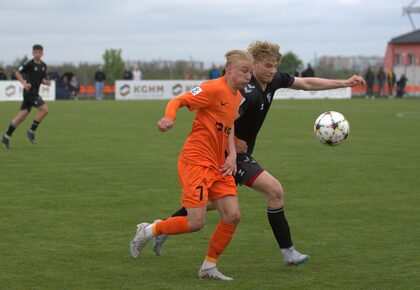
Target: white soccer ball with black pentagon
pixel 331 128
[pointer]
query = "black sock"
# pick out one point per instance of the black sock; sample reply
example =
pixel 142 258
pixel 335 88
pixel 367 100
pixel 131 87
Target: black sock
pixel 35 125
pixel 10 130
pixel 280 227
pixel 181 212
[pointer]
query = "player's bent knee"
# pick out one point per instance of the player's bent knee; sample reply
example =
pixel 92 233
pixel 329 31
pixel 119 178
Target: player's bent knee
pixel 278 193
pixel 233 218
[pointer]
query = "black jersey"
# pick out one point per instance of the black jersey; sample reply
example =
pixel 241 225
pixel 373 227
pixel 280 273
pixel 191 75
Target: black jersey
pixel 33 73
pixel 255 106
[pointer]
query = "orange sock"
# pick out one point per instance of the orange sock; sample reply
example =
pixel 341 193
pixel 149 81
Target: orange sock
pixel 220 240
pixel 171 226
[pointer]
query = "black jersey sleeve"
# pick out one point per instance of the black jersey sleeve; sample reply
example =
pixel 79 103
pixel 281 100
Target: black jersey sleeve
pixel 282 80
pixel 24 68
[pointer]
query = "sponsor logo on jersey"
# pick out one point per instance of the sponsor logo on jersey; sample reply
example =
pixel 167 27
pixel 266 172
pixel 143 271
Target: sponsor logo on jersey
pixel 249 88
pixel 246 90
pixel 195 91
pixel 220 127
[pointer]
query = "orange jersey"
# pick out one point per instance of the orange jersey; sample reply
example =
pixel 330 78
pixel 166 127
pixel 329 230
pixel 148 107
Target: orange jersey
pixel 217 108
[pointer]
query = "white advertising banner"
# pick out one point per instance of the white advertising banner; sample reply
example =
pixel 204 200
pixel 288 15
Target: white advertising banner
pixel 153 90
pixel 13 91
pixel 168 89
pixel 342 93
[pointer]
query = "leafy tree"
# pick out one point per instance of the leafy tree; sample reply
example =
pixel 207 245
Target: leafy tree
pixel 289 63
pixel 114 65
pixel 19 61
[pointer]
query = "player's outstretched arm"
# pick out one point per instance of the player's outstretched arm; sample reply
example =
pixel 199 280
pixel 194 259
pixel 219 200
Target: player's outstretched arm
pixel 172 107
pixel 355 81
pixel 315 84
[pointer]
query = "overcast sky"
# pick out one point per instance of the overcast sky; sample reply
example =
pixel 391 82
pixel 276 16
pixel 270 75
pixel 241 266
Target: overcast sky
pixel 80 30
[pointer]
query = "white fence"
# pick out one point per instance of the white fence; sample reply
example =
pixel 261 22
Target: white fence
pixel 343 93
pixel 152 90
pixel 161 89
pixel 13 91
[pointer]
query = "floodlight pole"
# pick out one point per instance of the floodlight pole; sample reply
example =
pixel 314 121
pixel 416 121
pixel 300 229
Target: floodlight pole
pixel 409 10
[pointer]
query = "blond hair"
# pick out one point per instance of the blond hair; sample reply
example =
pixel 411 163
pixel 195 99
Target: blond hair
pixel 234 55
pixel 265 50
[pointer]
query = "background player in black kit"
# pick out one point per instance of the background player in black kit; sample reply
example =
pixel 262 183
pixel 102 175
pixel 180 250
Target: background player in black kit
pixel 32 74
pixel 258 96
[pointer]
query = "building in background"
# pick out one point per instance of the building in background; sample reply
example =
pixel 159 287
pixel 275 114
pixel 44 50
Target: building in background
pixel 403 55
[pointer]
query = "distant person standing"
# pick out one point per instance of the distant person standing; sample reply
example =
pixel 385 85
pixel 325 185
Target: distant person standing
pixel 31 75
pixel 308 72
pixel 370 80
pixel 137 75
pixel 74 86
pixel 100 78
pixel 381 77
pixel 3 76
pixel 391 82
pixel 401 86
pixel 127 74
pixel 214 72
pixel 13 75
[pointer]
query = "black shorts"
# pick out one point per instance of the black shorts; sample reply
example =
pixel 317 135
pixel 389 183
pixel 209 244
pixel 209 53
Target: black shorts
pixel 248 169
pixel 31 100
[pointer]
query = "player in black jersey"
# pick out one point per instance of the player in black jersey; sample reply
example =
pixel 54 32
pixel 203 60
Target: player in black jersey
pixel 32 74
pixel 258 96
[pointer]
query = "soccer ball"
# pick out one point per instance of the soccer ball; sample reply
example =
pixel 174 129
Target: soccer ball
pixel 331 128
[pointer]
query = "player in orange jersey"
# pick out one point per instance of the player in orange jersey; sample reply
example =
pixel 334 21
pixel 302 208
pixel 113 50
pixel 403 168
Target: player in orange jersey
pixel 204 172
pixel 258 97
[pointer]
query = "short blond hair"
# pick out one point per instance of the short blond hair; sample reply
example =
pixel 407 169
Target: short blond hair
pixel 265 50
pixel 234 55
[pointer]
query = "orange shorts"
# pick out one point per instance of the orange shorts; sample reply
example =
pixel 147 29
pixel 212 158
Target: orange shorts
pixel 200 183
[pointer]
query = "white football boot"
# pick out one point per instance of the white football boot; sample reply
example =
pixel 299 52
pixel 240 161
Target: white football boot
pixel 139 241
pixel 291 257
pixel 213 273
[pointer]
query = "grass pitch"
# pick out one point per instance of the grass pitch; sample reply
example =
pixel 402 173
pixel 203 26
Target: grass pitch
pixel 70 204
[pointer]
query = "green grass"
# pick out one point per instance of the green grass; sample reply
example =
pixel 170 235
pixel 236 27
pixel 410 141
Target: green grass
pixel 69 205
